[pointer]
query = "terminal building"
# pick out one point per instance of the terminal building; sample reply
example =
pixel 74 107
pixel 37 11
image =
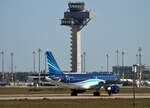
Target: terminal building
pixel 147 68
pixel 126 69
pixel 121 69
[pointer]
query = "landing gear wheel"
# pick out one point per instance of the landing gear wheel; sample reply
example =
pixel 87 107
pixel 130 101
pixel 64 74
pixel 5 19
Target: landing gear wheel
pixel 74 93
pixel 109 93
pixel 96 94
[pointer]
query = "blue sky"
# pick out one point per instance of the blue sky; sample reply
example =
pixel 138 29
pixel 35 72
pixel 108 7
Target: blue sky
pixel 26 25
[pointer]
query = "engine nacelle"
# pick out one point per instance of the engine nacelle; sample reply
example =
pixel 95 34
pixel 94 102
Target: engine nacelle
pixel 113 89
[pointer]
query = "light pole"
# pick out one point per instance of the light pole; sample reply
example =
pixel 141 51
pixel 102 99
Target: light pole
pixel 2 65
pixel 134 85
pixel 101 68
pixel 12 77
pixel 39 51
pixel 45 63
pixel 137 62
pixel 140 50
pixel 15 76
pixel 123 63
pixel 140 65
pixel 82 63
pixel 123 58
pixel 84 60
pixel 117 52
pixel 107 57
pixel 34 61
pixel 137 59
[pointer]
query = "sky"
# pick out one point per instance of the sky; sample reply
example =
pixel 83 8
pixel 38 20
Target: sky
pixel 27 25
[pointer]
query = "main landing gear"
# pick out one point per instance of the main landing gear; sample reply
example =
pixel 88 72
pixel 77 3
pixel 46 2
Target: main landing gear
pixel 96 93
pixel 109 93
pixel 75 92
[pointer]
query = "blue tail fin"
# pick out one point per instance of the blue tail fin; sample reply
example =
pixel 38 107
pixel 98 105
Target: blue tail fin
pixel 52 64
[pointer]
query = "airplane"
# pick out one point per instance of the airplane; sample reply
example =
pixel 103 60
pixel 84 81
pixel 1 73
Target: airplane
pixel 79 83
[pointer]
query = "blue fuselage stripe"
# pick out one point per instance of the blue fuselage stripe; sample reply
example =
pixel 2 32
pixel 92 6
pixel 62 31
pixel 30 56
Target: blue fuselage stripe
pixel 76 78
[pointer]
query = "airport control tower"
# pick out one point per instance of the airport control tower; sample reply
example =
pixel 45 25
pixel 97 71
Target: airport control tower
pixel 76 18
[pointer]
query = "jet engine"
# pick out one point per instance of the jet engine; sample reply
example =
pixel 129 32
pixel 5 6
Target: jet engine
pixel 112 89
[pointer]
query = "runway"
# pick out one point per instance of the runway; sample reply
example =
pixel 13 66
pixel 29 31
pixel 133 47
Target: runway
pixel 67 96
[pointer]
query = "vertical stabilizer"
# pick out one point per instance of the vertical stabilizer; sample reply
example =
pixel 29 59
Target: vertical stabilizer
pixel 52 64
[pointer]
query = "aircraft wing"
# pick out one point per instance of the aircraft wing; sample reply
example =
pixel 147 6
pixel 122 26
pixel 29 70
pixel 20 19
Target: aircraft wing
pixel 63 85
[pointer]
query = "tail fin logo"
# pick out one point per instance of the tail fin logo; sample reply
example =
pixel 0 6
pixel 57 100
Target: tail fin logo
pixel 52 64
